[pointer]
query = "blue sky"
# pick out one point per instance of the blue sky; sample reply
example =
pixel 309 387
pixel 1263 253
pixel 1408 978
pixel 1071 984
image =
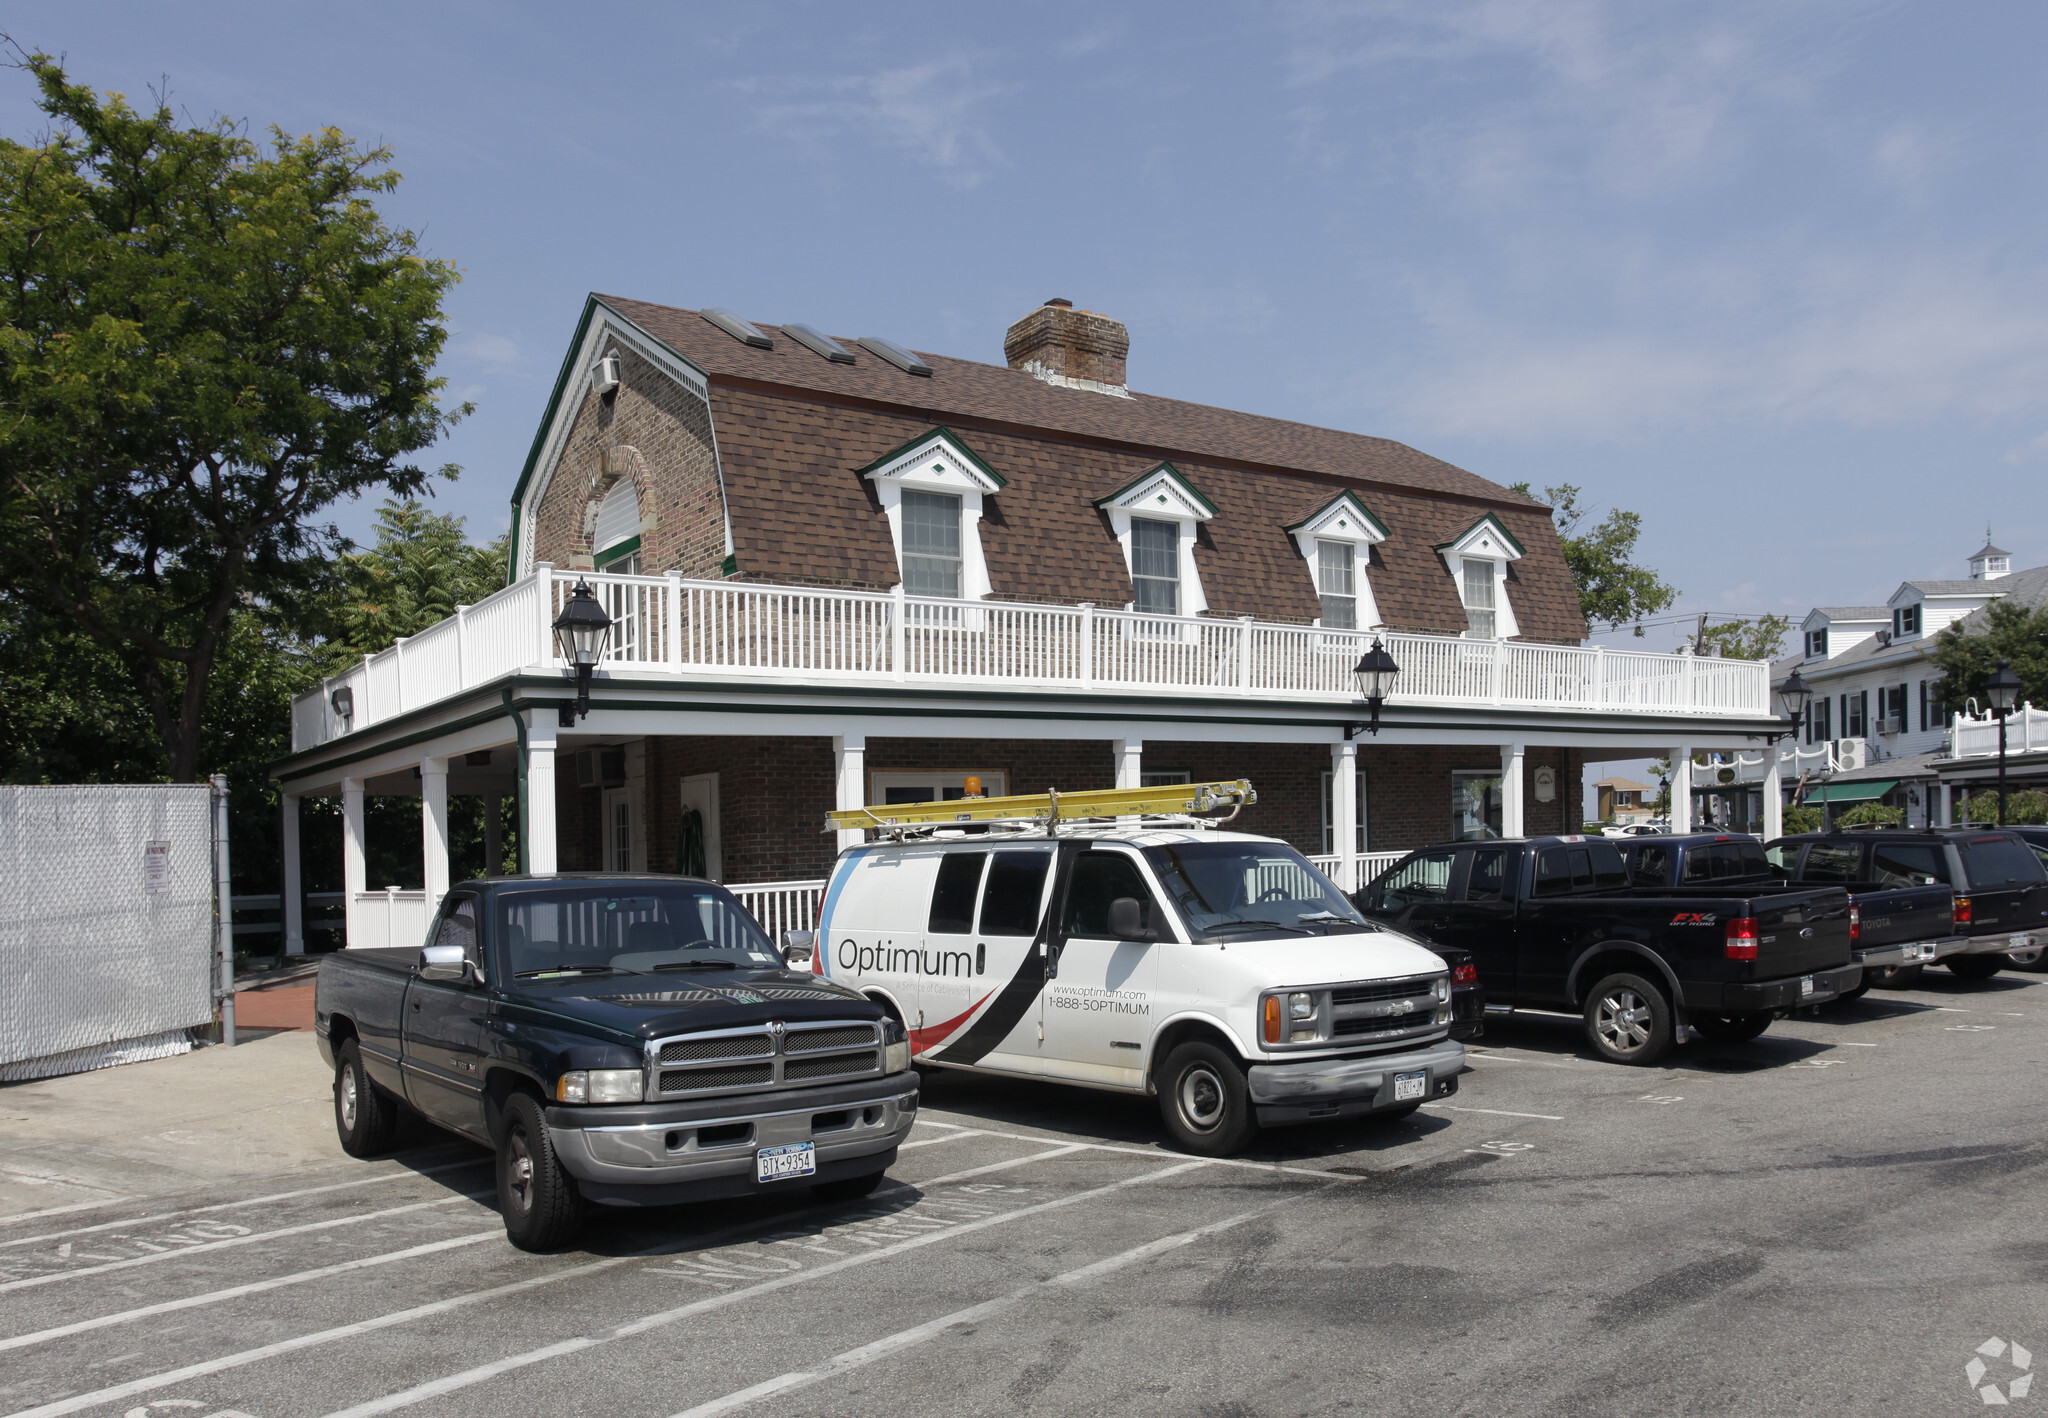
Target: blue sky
pixel 1772 274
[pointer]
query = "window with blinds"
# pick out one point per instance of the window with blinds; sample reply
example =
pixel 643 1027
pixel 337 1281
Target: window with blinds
pixel 1155 566
pixel 1335 581
pixel 931 543
pixel 1479 599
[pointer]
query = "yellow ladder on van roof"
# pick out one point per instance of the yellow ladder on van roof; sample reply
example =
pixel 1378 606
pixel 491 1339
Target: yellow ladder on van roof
pixel 1160 800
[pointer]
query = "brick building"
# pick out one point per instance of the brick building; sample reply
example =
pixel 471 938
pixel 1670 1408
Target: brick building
pixel 841 572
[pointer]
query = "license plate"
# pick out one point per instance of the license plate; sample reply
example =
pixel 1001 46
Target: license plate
pixel 796 1159
pixel 2021 942
pixel 1411 1085
pixel 1805 986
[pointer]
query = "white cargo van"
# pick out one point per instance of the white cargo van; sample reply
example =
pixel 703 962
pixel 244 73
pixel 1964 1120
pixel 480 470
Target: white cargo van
pixel 1220 972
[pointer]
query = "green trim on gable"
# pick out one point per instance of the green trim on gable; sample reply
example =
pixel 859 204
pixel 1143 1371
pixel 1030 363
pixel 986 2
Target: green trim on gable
pixel 1498 526
pixel 939 434
pixel 730 566
pixel 1360 508
pixel 1179 480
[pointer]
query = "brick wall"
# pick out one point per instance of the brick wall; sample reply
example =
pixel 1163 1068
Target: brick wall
pixel 658 434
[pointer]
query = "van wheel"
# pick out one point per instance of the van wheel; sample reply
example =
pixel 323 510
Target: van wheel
pixel 539 1201
pixel 1895 977
pixel 1204 1101
pixel 1974 967
pixel 1731 1028
pixel 364 1116
pixel 1628 1020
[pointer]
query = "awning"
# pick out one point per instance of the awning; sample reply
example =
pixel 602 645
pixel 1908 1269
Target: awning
pixel 1866 792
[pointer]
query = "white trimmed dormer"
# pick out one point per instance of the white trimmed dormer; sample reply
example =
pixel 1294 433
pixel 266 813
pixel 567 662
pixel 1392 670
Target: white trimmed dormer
pixel 1478 559
pixel 931 490
pixel 1154 519
pixel 1829 632
pixel 1337 541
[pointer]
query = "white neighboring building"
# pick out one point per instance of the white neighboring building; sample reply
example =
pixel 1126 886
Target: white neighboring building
pixel 1878 723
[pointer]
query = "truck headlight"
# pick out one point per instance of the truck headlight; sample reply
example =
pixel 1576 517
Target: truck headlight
pixel 1301 1006
pixel 599 1085
pixel 1442 988
pixel 895 1046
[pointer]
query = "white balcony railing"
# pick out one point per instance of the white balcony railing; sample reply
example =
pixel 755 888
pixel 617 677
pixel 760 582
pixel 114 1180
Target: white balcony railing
pixel 781 905
pixel 2026 731
pixel 745 630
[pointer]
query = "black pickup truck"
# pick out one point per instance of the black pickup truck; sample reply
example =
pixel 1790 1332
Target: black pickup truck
pixel 1554 924
pixel 1896 923
pixel 616 1040
pixel 2000 886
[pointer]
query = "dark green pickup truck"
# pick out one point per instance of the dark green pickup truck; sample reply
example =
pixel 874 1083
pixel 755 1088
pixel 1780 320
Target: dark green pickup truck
pixel 617 1041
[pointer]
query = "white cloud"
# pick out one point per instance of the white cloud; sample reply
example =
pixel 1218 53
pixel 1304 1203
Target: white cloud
pixel 2036 450
pixel 931 110
pixel 497 353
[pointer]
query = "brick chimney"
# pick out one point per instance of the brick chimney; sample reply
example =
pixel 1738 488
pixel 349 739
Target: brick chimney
pixel 1075 349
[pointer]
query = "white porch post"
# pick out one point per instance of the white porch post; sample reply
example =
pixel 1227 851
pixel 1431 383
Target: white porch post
pixel 1774 797
pixel 494 834
pixel 1937 805
pixel 1681 789
pixel 354 871
pixel 292 885
pixel 850 782
pixel 1511 791
pixel 1130 757
pixel 434 830
pixel 539 826
pixel 1344 811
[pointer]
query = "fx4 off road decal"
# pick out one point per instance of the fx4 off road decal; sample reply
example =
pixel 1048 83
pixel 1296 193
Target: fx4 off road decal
pixel 1695 918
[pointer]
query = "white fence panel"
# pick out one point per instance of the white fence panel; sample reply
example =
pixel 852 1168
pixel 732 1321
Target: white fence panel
pixel 379 920
pixel 781 905
pixel 106 924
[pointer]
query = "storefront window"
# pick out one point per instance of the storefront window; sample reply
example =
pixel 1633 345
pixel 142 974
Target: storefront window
pixel 1475 806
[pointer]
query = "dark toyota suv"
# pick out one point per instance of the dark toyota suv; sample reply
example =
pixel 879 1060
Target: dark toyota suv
pixel 2001 885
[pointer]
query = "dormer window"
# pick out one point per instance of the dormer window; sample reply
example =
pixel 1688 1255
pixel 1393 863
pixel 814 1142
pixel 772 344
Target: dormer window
pixel 931 543
pixel 1478 562
pixel 1337 540
pixel 1817 644
pixel 931 490
pixel 1154 519
pixel 1905 621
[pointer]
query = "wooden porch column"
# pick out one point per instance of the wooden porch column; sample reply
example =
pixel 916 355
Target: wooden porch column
pixel 1130 758
pixel 540 825
pixel 1511 791
pixel 1774 795
pixel 293 884
pixel 354 870
pixel 850 782
pixel 1681 789
pixel 434 830
pixel 1344 811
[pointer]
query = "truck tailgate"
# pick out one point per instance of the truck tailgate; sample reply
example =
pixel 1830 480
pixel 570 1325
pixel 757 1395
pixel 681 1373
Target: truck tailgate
pixel 1799 932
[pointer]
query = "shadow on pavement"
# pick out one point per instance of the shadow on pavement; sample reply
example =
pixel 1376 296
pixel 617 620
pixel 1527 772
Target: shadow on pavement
pixel 1562 1036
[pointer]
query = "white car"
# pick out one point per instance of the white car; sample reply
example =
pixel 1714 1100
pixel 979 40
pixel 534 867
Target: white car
pixel 1218 971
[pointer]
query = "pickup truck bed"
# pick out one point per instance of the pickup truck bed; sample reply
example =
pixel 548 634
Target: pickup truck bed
pixel 1553 922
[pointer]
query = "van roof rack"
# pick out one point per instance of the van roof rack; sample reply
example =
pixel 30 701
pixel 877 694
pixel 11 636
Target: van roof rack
pixel 1178 803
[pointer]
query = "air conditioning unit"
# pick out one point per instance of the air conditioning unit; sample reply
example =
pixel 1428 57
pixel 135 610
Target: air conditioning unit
pixel 1851 754
pixel 601 768
pixel 604 375
pixel 1891 726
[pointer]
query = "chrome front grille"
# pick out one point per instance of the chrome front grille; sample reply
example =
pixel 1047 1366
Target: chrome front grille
pixel 1380 990
pixel 1384 1024
pixel 765 1056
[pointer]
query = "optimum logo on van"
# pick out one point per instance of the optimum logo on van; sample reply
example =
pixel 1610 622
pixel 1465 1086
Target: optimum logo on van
pixel 890 958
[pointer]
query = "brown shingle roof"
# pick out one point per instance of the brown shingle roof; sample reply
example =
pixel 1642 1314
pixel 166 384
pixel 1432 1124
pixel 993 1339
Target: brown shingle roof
pixel 793 429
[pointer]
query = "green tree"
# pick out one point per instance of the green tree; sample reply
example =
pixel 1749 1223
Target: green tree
pixel 1758 639
pixel 1613 590
pixel 2028 805
pixel 1872 815
pixel 1800 818
pixel 204 344
pixel 1967 658
pixel 420 570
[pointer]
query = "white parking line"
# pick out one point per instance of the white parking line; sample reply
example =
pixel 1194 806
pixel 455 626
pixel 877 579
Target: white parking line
pixel 230 1241
pixel 437 1387
pixel 223 1205
pixel 918 1334
pixel 77 1402
pixel 1497 1112
pixel 1070 1148
pixel 257 1287
pixel 950 1137
pixel 1156 1152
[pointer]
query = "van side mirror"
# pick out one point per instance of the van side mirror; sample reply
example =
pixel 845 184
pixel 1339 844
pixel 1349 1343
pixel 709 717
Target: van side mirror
pixel 444 962
pixel 1127 919
pixel 798 947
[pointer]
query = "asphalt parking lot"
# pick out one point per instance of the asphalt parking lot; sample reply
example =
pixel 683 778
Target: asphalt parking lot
pixel 1835 1218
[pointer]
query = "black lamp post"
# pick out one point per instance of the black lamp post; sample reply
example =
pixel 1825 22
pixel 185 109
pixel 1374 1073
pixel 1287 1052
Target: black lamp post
pixel 1795 694
pixel 582 631
pixel 1376 671
pixel 2003 688
pixel 1664 795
